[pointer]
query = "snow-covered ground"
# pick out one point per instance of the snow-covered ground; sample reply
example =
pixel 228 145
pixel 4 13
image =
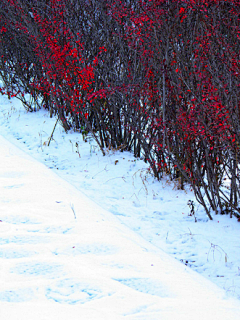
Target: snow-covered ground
pixel 91 237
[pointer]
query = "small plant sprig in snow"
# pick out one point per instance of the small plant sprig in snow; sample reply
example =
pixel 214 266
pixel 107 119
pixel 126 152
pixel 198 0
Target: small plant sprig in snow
pixel 192 209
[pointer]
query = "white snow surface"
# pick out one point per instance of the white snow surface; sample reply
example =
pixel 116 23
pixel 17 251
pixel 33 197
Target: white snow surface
pixel 84 236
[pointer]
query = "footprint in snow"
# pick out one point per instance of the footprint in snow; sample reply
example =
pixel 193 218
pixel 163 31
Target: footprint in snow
pixel 15 186
pixel 29 239
pixel 15 254
pixel 160 215
pixel 19 220
pixel 38 269
pixel 146 285
pixel 72 291
pixel 96 249
pixel 19 295
pixel 53 229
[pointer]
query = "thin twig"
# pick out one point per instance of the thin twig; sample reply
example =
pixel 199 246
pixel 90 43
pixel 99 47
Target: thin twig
pixel 51 137
pixel 72 207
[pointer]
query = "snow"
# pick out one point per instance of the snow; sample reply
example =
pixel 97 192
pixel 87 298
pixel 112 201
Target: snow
pixel 84 236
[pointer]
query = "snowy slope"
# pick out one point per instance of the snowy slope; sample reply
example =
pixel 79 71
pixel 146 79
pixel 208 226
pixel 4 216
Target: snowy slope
pixel 64 256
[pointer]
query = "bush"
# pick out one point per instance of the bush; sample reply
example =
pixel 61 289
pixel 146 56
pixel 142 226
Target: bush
pixel 159 78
